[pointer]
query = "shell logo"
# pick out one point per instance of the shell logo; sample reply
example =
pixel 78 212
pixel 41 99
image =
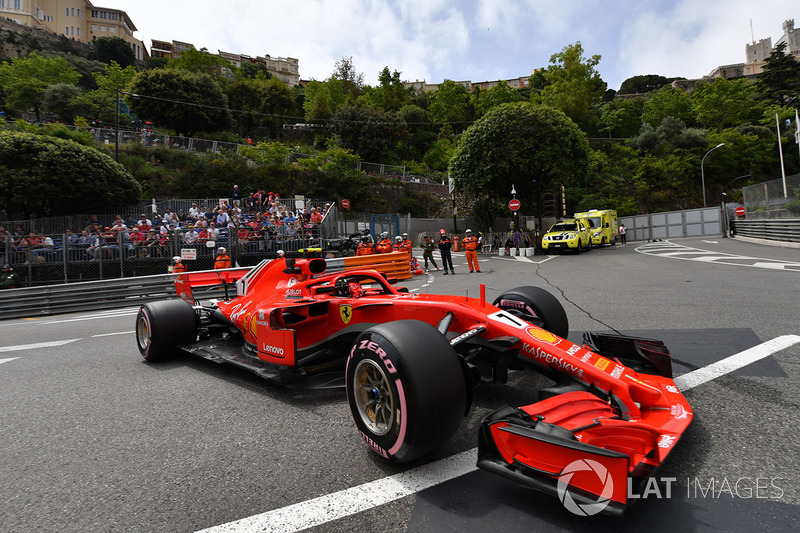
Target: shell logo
pixel 542 335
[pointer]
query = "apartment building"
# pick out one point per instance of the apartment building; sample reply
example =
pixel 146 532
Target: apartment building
pixel 514 83
pixel 75 19
pixel 286 69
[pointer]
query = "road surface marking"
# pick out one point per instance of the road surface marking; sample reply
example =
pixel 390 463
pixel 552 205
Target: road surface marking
pixel 7 360
pixel 36 346
pixel 111 334
pixel 736 361
pixel 354 500
pixel 687 253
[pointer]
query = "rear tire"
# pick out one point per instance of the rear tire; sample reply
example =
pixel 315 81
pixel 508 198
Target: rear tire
pixel 536 306
pixel 406 389
pixel 163 325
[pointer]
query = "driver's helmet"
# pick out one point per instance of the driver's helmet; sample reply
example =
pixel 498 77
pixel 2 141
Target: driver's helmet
pixel 341 288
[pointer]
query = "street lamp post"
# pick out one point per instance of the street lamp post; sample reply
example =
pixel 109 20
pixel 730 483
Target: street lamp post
pixel 702 173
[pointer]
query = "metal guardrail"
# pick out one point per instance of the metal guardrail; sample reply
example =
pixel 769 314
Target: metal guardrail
pixel 91 295
pixel 126 292
pixel 787 230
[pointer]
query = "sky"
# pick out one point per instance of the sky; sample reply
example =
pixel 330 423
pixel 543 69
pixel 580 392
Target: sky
pixel 475 40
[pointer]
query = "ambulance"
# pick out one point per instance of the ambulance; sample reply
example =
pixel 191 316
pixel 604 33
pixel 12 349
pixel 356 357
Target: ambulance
pixel 603 226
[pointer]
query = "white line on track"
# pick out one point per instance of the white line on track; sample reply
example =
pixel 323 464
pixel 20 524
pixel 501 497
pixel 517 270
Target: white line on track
pixel 736 361
pixel 111 334
pixel 36 346
pixel 7 360
pixel 354 500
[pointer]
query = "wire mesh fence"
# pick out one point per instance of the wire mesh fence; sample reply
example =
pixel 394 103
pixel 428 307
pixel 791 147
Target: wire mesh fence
pixel 769 199
pixel 43 259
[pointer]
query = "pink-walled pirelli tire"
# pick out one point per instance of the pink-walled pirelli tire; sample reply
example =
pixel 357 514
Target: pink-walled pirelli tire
pixel 537 306
pixel 163 325
pixel 406 389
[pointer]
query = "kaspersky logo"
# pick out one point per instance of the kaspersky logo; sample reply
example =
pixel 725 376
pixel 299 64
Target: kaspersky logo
pixel 585 465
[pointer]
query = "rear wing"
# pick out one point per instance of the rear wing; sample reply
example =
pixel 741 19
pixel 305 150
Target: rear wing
pixel 208 281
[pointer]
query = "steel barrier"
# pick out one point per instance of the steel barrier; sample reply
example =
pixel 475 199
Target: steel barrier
pixel 780 229
pixel 109 294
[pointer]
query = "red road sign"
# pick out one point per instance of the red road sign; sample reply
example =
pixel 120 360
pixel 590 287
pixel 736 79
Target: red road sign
pixel 345 203
pixel 740 211
pixel 514 204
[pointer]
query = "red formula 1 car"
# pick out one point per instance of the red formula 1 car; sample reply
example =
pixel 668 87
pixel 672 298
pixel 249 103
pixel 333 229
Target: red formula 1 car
pixel 409 363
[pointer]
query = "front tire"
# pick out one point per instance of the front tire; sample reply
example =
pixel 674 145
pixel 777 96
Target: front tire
pixel 406 389
pixel 536 306
pixel 163 325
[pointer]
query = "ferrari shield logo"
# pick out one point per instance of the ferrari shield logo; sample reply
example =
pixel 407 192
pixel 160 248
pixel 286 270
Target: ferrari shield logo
pixel 346 312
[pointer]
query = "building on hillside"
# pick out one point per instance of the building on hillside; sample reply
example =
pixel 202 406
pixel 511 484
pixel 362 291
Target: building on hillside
pixel 757 53
pixel 286 69
pixel 514 83
pixel 76 19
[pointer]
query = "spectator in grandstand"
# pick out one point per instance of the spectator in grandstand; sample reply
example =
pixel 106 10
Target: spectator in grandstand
pixel 315 217
pixel 153 244
pixel 201 222
pixel 144 224
pixel 190 237
pixel 213 231
pixel 137 239
pixel 235 196
pixel 194 212
pixel 222 217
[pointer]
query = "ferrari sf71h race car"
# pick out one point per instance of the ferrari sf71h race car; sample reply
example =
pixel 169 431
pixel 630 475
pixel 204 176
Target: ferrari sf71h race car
pixel 409 363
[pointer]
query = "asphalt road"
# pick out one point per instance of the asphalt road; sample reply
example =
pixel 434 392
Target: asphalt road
pixel 94 439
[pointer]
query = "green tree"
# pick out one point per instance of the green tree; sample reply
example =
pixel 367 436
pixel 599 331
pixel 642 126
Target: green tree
pixel 277 103
pixel 352 80
pixel 530 146
pixel 188 103
pixel 667 102
pixel 244 100
pixel 723 103
pixel 643 84
pixel 389 95
pixel 253 71
pixel 502 93
pixel 45 176
pixel 25 80
pixel 108 49
pixel 621 117
pixel 369 133
pixel 419 133
pixel 201 62
pixel 58 99
pixel 322 99
pixel 779 83
pixel 574 86
pixel 450 104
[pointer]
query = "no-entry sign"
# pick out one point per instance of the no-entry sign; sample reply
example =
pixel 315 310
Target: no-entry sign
pixel 345 203
pixel 739 211
pixel 514 204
